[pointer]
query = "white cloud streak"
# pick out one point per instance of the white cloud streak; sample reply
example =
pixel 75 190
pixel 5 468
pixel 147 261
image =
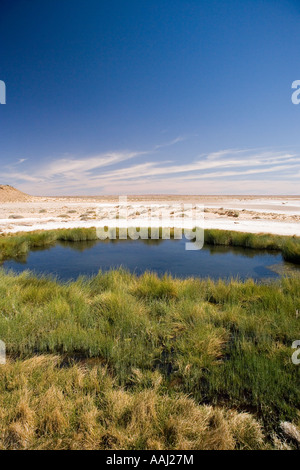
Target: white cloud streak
pixel 233 171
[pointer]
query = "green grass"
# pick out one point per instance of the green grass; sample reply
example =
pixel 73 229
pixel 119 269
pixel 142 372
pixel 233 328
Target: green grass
pixel 224 345
pixel 14 246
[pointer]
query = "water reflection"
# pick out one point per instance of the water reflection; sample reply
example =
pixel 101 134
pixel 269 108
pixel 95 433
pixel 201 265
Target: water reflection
pixel 68 260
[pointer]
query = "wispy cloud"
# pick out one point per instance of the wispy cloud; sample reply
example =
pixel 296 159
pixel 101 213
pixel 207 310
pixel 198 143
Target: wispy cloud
pixel 72 167
pixel 170 143
pixel 229 171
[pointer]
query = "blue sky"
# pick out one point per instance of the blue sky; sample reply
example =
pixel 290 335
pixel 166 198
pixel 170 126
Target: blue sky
pixel 131 97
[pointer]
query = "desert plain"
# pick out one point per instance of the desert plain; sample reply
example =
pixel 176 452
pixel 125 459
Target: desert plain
pixel 20 212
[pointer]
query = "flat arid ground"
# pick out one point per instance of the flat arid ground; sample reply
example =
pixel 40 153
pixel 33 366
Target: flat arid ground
pixel 270 214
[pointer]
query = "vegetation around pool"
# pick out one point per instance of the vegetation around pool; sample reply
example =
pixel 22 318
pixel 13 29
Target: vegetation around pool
pixel 125 362
pixel 12 246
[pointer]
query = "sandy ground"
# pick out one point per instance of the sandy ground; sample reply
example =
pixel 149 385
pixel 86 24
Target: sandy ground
pixel 277 215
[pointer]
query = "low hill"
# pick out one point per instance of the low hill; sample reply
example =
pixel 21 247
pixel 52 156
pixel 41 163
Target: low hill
pixel 10 194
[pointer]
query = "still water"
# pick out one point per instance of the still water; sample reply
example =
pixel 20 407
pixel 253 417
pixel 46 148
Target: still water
pixel 69 260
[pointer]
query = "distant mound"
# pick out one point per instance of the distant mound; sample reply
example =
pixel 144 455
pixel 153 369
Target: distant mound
pixel 10 194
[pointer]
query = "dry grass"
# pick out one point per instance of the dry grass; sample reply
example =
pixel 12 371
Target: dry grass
pixel 47 406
